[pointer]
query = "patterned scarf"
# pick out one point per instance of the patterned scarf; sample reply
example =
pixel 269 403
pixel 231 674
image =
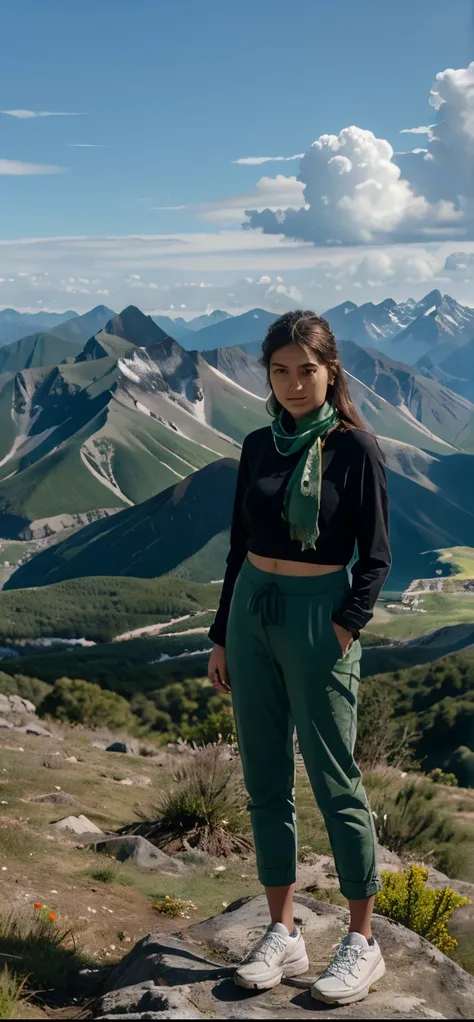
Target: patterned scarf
pixel 303 491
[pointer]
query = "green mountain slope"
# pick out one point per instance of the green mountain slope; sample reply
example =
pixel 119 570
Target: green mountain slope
pixel 184 530
pixel 43 349
pixel 442 412
pixel 149 540
pixel 79 328
pixel 91 447
pixel 239 330
pixel 99 608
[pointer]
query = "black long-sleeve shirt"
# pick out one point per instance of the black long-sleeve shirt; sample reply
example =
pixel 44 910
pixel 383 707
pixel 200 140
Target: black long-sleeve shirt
pixel 353 509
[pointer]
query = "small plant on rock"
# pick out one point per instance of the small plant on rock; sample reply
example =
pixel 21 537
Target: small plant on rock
pixel 406 899
pixel 174 907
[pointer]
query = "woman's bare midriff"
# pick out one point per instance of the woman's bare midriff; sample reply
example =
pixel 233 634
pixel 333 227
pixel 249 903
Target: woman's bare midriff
pixel 301 568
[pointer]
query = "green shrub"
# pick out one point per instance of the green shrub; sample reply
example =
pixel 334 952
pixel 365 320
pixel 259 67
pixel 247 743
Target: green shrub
pixel 173 907
pixel 217 727
pixel 189 709
pixel 437 700
pixel 202 807
pixel 406 899
pixel 462 763
pixel 110 875
pixel 379 740
pixel 79 702
pixel 413 822
pixel 24 686
pixel 438 776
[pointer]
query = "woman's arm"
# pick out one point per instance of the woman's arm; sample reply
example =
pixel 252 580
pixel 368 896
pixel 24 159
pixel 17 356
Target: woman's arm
pixel 236 555
pixel 370 571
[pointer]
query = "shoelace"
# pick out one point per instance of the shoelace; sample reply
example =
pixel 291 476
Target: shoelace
pixel 347 956
pixel 270 943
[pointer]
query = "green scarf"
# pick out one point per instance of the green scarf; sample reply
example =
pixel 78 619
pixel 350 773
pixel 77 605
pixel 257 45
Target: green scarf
pixel 303 491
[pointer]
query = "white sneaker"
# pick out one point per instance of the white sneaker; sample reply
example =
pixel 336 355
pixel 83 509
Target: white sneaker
pixel 277 954
pixel 355 966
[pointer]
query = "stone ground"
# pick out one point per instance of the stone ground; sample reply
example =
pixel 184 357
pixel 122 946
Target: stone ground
pixel 189 975
pixel 111 906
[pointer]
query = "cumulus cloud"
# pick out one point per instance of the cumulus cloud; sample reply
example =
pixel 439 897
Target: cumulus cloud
pixel 444 171
pixel 358 191
pixel 354 194
pixel 16 168
pixel 255 161
pixel 26 115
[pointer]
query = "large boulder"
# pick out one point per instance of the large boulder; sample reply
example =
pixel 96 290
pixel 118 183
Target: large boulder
pixel 15 704
pixel 176 977
pixel 140 851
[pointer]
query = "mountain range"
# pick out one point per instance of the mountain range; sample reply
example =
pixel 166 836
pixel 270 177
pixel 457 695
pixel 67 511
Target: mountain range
pixel 132 421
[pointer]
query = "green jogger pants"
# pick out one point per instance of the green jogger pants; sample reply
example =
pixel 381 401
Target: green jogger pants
pixel 286 671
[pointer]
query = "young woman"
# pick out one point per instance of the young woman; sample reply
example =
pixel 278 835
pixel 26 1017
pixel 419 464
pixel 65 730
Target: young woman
pixel 287 646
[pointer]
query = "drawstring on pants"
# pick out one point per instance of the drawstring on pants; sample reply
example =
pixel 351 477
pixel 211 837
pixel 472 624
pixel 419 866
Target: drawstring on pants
pixel 268 601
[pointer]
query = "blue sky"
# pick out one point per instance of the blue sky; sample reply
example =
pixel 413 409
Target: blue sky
pixel 159 100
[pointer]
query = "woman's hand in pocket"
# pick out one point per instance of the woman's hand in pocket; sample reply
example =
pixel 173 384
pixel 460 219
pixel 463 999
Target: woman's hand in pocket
pixel 217 669
pixel 344 638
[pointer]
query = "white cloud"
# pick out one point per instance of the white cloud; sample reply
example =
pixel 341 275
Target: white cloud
pixel 134 280
pixel 26 115
pixel 355 194
pixel 358 191
pixel 17 168
pixel 86 145
pixel 234 270
pixel 424 129
pixel 254 161
pixel 444 171
pixel 272 193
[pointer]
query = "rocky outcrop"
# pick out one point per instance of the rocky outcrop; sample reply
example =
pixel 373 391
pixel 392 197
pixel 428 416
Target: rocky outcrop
pixel 18 714
pixel 140 851
pixel 191 976
pixel 77 825
pixel 15 704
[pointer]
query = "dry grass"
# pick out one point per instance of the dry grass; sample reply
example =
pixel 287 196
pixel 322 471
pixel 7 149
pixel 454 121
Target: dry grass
pixel 203 807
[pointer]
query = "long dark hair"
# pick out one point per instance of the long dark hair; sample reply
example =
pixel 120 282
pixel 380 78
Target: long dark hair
pixel 315 336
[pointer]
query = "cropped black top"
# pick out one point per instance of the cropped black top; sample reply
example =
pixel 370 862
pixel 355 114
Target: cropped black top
pixel 353 509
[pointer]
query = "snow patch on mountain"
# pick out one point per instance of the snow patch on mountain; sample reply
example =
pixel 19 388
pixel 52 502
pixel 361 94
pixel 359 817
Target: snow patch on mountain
pixel 96 455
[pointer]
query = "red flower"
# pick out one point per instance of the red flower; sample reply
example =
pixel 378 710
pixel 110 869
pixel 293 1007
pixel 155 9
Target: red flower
pixel 52 916
pixel 37 904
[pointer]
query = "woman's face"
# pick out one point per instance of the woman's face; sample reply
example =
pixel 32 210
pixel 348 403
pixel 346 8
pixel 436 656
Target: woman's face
pixel 299 382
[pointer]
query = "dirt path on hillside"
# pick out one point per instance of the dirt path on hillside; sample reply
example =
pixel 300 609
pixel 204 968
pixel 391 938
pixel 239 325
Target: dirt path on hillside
pixel 160 628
